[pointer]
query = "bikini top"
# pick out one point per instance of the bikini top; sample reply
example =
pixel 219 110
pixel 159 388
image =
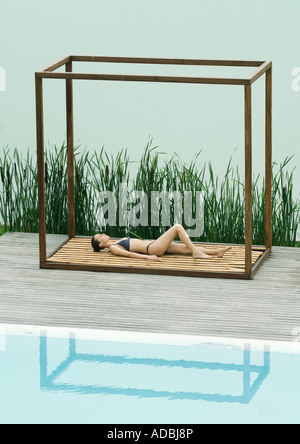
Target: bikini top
pixel 125 243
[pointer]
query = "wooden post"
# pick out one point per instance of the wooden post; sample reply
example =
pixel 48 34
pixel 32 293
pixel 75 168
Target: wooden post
pixel 248 182
pixel 268 161
pixel 41 168
pixel 70 153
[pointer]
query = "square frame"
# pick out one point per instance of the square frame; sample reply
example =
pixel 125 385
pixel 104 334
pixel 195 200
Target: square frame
pixel 50 72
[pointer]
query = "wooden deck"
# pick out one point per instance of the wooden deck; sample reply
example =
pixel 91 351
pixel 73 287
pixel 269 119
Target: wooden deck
pixel 267 307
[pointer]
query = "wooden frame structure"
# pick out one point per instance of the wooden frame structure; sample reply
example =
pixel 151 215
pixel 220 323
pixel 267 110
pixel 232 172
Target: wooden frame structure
pixel 261 68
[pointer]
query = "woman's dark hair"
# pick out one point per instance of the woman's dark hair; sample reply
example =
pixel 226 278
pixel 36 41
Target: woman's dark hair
pixel 95 245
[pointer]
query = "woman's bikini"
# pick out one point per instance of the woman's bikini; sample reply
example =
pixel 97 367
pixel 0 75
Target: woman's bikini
pixel 125 243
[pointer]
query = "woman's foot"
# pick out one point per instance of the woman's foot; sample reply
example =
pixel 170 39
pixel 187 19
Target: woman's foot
pixel 221 251
pixel 200 255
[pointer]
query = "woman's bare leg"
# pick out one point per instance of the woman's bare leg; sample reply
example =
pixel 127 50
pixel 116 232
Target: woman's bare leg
pixel 220 251
pixel 176 248
pixel 160 246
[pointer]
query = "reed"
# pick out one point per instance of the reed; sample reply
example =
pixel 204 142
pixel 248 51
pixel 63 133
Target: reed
pixel 97 172
pixel 102 173
pixel 18 192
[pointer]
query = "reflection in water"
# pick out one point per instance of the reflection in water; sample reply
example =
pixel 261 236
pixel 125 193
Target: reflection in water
pixel 48 381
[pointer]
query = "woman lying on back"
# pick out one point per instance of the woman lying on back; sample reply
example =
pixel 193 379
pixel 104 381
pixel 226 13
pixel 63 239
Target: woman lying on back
pixel 137 248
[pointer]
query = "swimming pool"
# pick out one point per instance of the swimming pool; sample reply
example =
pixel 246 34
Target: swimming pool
pixel 50 375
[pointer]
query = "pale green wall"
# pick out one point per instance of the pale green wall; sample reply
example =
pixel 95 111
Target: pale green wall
pixel 180 118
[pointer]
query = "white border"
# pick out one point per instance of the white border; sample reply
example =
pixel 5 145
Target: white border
pixel 147 338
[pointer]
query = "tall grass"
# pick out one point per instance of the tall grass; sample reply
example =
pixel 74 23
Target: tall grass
pixel 18 192
pixel 97 172
pixel 102 173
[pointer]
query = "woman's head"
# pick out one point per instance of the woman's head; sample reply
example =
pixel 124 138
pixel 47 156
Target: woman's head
pixel 99 241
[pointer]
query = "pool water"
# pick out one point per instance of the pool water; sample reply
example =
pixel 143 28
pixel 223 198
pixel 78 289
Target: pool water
pixel 65 376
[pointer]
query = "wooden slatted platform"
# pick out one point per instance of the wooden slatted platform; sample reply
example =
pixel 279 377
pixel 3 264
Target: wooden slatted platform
pixel 78 251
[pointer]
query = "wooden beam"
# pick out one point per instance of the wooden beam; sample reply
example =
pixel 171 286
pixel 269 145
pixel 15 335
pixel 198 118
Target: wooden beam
pixel 165 61
pixel 57 248
pixel 268 161
pixel 41 168
pixel 70 153
pixel 248 182
pixel 142 78
pixel 144 270
pixel 259 71
pixel 260 261
pixel 60 62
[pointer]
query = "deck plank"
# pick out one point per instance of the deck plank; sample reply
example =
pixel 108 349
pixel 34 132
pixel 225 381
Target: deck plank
pixel 267 307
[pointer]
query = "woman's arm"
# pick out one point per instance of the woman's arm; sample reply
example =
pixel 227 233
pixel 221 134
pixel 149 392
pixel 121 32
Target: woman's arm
pixel 118 251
